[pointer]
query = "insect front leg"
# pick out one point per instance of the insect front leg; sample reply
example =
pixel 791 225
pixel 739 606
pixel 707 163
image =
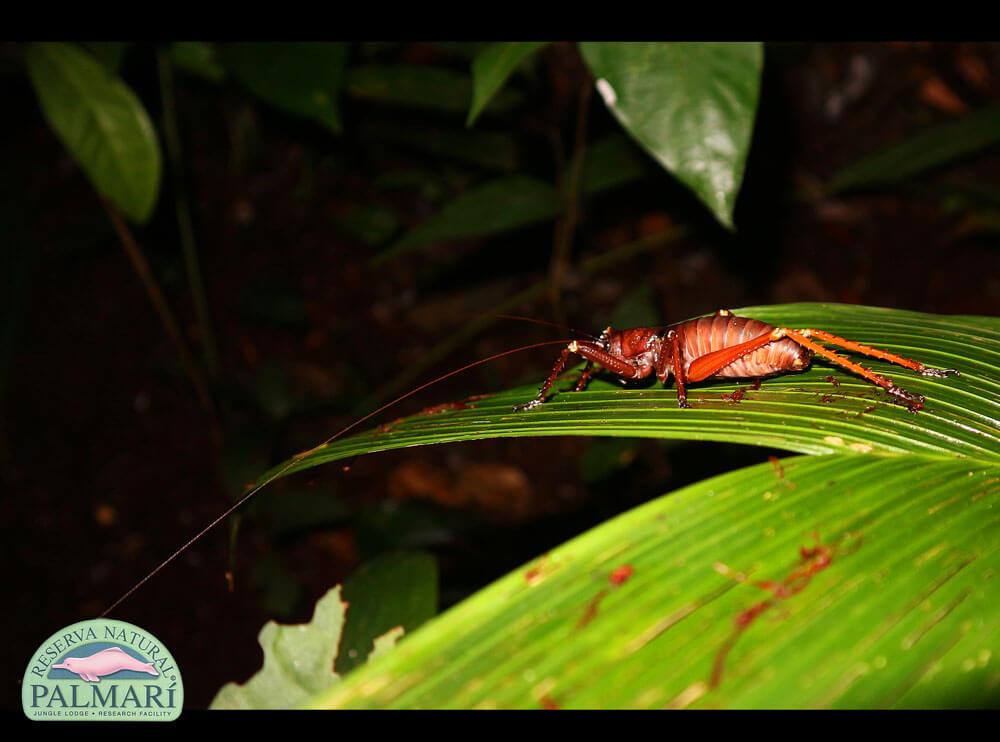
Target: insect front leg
pixel 593 354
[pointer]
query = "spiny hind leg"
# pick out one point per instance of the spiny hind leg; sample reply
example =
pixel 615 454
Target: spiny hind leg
pixel 913 402
pixel 882 354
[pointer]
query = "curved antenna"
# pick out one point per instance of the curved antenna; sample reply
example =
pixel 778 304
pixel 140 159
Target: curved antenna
pixel 299 456
pixel 535 321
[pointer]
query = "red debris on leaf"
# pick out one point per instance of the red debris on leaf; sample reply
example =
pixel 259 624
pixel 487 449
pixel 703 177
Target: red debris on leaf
pixel 735 397
pixel 620 575
pixel 590 613
pixel 813 559
pixel 548 703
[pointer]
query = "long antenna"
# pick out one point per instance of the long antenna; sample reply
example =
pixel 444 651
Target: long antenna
pixel 298 457
pixel 535 321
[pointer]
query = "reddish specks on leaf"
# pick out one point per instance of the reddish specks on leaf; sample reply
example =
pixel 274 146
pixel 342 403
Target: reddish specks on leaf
pixel 779 472
pixel 477 397
pixel 812 560
pixel 590 612
pixel 446 407
pixel 386 427
pixel 432 410
pixel 756 385
pixel 832 380
pixel 827 398
pixel 548 703
pixel 620 575
pixel 866 410
pixel 534 574
pixel 735 397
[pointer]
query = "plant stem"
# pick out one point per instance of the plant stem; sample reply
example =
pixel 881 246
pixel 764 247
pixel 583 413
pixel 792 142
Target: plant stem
pixel 171 132
pixel 167 318
pixel 570 191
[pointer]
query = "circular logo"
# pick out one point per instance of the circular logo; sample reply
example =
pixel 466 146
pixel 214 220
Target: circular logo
pixel 102 670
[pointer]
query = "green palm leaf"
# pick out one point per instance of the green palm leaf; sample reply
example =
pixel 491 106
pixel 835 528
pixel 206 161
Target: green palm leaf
pixel 894 604
pixel 803 412
pixel 905 613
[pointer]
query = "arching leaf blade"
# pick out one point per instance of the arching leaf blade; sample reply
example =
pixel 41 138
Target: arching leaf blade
pixel 643 611
pixel 821 411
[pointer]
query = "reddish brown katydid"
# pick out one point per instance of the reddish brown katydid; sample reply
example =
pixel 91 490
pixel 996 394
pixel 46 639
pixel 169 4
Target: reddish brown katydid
pixel 720 346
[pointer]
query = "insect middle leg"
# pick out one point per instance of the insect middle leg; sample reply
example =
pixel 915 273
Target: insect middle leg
pixel 581 383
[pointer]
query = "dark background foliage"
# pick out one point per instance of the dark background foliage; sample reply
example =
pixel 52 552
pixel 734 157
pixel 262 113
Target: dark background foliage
pixel 109 461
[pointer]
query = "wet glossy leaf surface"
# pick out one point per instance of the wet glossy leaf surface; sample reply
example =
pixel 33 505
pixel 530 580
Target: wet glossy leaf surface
pixel 690 105
pixel 843 581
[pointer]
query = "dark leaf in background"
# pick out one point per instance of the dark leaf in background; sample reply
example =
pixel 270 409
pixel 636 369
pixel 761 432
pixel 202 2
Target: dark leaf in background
pixel 108 53
pixel 272 391
pixel 492 67
pixel 691 105
pixel 432 88
pixel 396 589
pixel 610 162
pixel 604 457
pixel 272 300
pixel 370 224
pixel 278 589
pixel 300 78
pixel 928 149
pixel 197 58
pixel 490 150
pixel 492 207
pixel 298 509
pixel 102 124
pixel 636 308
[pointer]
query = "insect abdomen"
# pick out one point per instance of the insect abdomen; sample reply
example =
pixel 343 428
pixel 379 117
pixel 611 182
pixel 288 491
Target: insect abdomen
pixel 708 334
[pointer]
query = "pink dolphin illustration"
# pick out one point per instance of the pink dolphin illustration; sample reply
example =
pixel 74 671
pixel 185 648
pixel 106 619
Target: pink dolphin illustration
pixel 106 662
